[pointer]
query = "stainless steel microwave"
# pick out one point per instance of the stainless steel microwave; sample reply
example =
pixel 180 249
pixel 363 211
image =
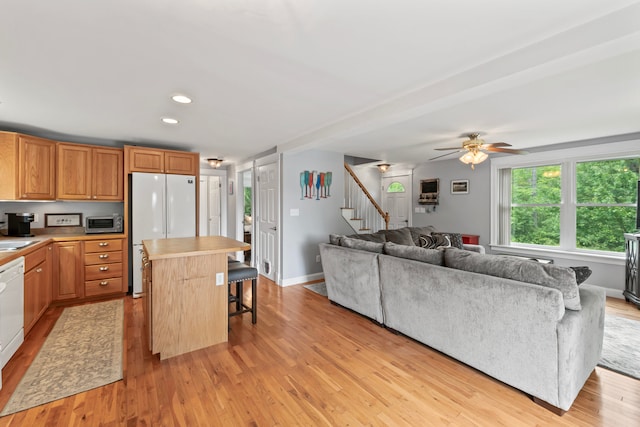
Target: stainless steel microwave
pixel 104 224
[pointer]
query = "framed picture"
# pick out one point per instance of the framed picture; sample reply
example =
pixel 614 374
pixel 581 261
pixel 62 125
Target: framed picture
pixel 63 220
pixel 459 186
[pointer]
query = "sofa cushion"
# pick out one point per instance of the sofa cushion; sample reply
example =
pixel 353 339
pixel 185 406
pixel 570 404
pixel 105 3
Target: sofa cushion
pixel 454 238
pixel 400 236
pixel 431 256
pixel 549 275
pixel 434 241
pixel 416 232
pixel 363 245
pixel 375 237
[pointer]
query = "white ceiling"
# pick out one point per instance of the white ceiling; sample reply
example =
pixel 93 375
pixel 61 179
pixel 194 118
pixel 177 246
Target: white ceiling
pixel 389 80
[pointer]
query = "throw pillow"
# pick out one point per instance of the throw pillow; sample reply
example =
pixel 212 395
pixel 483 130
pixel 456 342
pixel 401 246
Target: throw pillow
pixel 549 275
pixel 416 232
pixel 430 256
pixel 454 238
pixel 362 245
pixel 401 236
pixel 434 242
pixel 334 239
pixel 582 273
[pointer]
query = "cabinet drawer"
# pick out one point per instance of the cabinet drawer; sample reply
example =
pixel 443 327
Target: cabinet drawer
pixel 103 245
pixel 102 257
pixel 100 287
pixel 103 271
pixel 34 258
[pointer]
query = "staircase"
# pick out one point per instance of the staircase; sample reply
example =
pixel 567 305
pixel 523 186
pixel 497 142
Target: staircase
pixel 361 211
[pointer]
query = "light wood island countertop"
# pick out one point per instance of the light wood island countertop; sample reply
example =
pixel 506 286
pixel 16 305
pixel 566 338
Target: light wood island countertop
pixel 192 246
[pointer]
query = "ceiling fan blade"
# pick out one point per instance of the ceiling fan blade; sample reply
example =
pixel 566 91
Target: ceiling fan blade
pixel 497 144
pixel 505 150
pixel 450 148
pixel 447 154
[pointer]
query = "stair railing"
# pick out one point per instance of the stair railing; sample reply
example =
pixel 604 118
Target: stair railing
pixel 366 208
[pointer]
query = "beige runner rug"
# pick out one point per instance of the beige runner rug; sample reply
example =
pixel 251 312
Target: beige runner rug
pixel 82 352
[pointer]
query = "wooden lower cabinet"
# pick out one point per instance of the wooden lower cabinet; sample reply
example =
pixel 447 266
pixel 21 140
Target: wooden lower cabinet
pixel 104 267
pixel 67 280
pixel 37 285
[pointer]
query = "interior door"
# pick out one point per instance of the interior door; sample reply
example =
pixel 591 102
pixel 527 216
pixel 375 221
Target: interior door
pixel 214 218
pixel 268 216
pixel 396 199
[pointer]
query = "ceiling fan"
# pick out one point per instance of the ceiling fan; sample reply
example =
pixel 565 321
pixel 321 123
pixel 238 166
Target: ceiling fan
pixel 475 150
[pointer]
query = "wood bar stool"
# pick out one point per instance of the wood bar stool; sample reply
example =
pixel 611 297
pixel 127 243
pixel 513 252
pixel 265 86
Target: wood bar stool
pixel 238 273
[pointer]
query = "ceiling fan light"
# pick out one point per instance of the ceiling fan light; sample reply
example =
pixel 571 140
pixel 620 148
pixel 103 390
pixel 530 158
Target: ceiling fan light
pixel 473 158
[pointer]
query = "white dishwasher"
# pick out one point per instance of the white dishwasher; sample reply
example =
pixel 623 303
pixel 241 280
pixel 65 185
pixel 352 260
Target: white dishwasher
pixel 11 309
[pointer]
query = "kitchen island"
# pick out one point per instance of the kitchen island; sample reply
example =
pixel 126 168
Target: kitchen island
pixel 185 287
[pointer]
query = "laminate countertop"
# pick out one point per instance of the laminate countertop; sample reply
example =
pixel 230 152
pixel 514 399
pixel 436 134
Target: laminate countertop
pixel 192 246
pixel 40 240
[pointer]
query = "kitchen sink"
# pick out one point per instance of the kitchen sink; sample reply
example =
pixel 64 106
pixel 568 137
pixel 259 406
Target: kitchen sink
pixel 12 245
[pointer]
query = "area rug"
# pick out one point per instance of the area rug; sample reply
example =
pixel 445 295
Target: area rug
pixel 319 288
pixel 621 346
pixel 82 352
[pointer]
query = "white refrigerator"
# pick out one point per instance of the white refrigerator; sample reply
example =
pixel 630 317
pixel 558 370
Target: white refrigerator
pixel 162 206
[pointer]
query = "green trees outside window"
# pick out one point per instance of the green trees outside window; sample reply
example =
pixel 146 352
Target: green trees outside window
pixel 601 198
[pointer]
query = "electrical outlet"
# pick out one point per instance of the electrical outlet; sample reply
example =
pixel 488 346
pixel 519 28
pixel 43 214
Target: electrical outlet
pixel 219 279
pixel 35 217
pixel 317 258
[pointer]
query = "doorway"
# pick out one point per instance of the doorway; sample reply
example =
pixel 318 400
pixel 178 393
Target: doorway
pixel 246 193
pixel 210 216
pixel 396 199
pixel 268 214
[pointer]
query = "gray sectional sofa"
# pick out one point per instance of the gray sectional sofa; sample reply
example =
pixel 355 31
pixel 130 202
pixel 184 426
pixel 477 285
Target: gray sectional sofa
pixel 526 324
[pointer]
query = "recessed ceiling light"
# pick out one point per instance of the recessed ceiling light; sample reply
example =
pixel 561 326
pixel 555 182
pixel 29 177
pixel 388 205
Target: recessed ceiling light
pixel 169 121
pixel 182 99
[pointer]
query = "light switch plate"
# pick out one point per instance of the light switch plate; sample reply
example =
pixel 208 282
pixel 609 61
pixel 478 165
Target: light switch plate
pixel 219 279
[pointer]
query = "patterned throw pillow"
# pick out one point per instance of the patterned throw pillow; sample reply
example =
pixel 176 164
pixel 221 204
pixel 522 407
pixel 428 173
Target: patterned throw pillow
pixel 454 238
pixel 434 241
pixel 582 273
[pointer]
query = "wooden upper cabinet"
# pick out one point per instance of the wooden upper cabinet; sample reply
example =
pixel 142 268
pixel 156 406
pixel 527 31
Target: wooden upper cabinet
pixel 153 160
pixel 181 163
pixel 27 167
pixel 108 174
pixel 145 159
pixel 74 172
pixel 90 173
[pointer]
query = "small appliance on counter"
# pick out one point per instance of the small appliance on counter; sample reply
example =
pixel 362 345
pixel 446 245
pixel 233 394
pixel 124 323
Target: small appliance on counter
pixel 19 224
pixel 104 224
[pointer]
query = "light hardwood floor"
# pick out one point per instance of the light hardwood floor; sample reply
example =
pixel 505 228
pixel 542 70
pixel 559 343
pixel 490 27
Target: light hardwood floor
pixel 306 363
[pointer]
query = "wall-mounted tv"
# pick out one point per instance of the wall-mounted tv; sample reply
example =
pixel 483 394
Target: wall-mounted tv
pixel 429 191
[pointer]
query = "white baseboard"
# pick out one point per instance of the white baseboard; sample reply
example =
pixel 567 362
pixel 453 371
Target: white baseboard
pixel 302 279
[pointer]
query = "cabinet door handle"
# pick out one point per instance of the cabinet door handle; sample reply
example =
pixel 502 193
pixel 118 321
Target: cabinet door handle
pixel 104 283
pixel 103 256
pixel 103 244
pixel 39 270
pixel 104 268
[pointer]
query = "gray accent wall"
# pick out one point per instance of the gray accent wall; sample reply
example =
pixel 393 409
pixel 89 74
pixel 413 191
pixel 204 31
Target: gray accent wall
pixel 456 213
pixel 306 223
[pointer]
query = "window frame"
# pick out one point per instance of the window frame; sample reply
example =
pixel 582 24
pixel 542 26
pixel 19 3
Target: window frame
pixel 568 203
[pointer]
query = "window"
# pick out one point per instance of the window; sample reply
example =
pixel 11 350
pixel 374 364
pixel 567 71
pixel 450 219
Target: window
pixel 535 205
pixel 395 187
pixel 578 204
